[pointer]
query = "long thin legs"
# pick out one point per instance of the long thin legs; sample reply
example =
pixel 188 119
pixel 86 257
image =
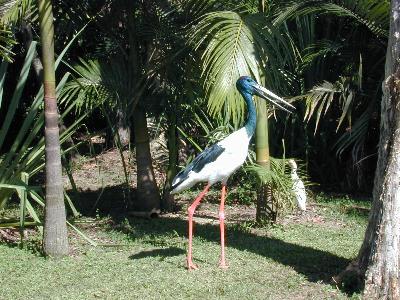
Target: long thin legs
pixel 222 263
pixel 191 209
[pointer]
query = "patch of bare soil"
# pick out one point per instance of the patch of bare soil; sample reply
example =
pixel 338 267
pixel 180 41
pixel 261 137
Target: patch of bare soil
pixel 13 235
pixel 208 213
pixel 106 171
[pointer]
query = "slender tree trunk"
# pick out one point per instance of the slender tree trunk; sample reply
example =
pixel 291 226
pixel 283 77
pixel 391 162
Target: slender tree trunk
pixel 382 239
pixel 148 197
pixel 265 210
pixel 168 199
pixel 123 128
pixel 55 240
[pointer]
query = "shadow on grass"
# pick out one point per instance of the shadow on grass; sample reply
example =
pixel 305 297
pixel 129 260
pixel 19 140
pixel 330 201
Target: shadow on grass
pixel 162 252
pixel 316 265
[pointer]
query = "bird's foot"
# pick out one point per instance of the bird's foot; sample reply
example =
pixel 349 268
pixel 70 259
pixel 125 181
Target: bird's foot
pixel 223 265
pixel 191 266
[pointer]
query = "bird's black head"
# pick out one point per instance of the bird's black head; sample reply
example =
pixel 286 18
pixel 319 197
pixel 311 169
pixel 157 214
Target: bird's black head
pixel 245 84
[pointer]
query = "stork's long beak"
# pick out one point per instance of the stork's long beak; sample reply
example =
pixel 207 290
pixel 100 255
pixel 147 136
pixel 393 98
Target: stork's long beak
pixel 274 99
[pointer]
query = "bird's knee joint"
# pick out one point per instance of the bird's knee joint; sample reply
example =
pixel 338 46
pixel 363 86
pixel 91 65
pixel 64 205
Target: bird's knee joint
pixel 221 215
pixel 191 210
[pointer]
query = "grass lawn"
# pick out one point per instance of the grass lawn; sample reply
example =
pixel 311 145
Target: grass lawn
pixel 292 260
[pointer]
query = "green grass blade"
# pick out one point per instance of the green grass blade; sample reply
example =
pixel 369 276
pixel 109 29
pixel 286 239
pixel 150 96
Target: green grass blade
pixel 38 199
pixel 22 160
pixel 20 187
pixel 16 224
pixel 190 139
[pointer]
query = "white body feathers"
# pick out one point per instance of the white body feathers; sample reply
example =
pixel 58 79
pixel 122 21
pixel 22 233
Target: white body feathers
pixel 235 148
pixel 298 186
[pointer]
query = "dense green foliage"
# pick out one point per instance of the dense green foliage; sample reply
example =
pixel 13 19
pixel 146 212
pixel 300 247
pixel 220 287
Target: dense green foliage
pixel 177 62
pixel 198 49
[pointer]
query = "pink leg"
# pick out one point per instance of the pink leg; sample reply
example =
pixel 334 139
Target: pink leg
pixel 191 209
pixel 222 263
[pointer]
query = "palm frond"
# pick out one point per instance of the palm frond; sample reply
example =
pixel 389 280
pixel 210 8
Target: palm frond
pixel 12 11
pixel 374 14
pixel 355 136
pixel 315 53
pixel 318 100
pixel 6 42
pixel 321 97
pixel 234 45
pixel 278 178
pixel 98 83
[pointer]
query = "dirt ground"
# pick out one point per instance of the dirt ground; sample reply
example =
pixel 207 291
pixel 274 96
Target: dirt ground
pixel 102 177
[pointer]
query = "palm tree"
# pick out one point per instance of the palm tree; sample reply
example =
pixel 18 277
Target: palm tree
pixel 55 242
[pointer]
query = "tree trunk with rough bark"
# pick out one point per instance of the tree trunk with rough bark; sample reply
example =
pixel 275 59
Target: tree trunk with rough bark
pixel 382 239
pixel 148 196
pixel 378 261
pixel 55 239
pixel 123 129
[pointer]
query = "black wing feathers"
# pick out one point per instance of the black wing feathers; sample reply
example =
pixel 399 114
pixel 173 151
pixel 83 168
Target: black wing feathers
pixel 207 156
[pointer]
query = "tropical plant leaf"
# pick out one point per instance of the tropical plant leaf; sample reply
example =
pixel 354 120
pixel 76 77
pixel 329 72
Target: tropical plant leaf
pixel 234 45
pixel 11 11
pixel 277 176
pixel 18 92
pixel 355 136
pixel 374 14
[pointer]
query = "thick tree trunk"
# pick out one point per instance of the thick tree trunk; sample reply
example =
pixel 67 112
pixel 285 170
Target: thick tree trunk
pixel 382 239
pixel 378 261
pixel 148 197
pixel 55 240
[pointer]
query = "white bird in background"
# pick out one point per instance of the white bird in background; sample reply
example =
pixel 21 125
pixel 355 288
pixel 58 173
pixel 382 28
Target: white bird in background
pixel 218 162
pixel 298 186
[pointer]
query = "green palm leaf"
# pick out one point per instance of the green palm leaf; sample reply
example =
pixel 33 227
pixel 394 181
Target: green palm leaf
pixel 11 11
pixel 374 14
pixel 320 98
pixel 234 45
pixel 355 136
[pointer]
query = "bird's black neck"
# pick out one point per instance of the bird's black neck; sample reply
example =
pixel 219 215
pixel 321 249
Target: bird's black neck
pixel 252 115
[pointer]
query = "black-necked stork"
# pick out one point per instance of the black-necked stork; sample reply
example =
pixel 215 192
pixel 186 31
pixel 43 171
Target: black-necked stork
pixel 218 162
